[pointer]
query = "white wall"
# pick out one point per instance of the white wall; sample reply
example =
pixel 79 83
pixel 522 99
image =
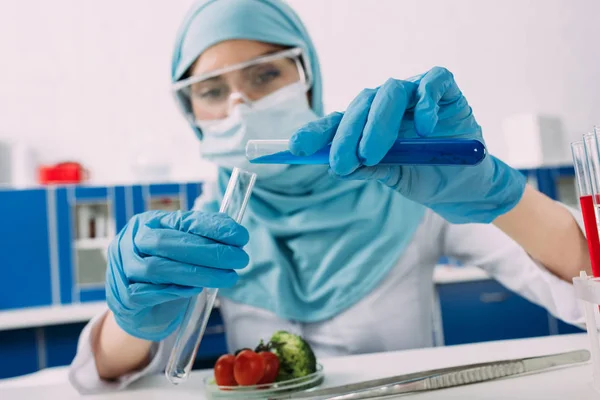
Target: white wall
pixel 89 79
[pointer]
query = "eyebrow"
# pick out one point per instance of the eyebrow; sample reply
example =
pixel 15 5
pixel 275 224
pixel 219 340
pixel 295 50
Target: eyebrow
pixel 266 53
pixel 252 67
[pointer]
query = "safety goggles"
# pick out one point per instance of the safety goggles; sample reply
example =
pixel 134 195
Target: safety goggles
pixel 210 96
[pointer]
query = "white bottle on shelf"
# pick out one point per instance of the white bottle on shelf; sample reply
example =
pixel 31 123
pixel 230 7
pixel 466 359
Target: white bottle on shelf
pixel 101 225
pixel 84 216
pixel 18 163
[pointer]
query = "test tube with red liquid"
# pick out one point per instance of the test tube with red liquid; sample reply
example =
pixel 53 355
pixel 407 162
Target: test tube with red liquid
pixel 586 159
pixel 585 189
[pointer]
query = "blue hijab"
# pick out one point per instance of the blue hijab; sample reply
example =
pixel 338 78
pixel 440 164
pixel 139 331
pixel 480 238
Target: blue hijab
pixel 317 245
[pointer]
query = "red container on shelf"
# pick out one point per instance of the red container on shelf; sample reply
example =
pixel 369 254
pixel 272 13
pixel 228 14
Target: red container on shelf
pixel 65 173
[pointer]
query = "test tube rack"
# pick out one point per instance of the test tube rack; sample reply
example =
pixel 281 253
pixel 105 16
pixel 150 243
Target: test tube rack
pixel 587 290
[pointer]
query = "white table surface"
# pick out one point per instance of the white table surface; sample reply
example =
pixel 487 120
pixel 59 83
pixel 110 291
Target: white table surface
pixel 566 383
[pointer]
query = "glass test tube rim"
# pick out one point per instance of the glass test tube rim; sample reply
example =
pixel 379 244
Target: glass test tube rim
pixel 578 152
pixel 592 152
pixel 251 176
pixel 180 362
pixel 264 147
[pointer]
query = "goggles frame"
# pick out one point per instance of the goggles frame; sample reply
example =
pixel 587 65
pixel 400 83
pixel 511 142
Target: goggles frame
pixel 297 53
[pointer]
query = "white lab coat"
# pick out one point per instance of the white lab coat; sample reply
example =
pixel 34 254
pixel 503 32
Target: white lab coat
pixel 395 316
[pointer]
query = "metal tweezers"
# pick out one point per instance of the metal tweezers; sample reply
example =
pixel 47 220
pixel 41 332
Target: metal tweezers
pixel 441 378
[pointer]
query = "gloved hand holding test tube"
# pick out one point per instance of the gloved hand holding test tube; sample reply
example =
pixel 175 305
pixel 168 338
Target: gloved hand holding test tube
pixel 403 152
pixel 199 308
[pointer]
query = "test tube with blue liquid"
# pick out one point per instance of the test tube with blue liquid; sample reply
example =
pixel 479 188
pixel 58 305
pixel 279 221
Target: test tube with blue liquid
pixel 403 152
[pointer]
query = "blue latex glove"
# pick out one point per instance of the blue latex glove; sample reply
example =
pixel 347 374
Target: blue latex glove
pixel 430 105
pixel 160 259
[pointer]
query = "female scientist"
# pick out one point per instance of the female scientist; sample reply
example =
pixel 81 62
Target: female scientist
pixel 341 254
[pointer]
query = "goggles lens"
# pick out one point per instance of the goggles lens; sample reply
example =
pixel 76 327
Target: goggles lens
pixel 211 95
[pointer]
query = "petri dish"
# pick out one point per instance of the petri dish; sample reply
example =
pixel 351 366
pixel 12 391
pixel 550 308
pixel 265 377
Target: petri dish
pixel 213 391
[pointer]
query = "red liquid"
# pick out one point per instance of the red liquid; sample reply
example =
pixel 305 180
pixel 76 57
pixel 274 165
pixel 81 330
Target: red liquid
pixel 591 231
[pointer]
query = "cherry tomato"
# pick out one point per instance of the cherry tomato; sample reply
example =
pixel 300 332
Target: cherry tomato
pixel 224 370
pixel 248 368
pixel 271 367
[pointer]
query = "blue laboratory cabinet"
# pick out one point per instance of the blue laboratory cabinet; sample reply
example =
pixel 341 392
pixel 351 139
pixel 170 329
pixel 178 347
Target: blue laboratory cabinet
pixel 482 311
pixel 52 244
pixel 18 352
pixel 24 249
pixel 59 235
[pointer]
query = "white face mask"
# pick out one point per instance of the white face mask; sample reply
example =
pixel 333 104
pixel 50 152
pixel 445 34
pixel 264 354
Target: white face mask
pixel 276 116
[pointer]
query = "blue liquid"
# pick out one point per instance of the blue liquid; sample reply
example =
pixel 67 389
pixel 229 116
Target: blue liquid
pixel 403 152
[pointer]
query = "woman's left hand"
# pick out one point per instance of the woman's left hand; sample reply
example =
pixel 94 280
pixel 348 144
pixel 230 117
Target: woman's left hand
pixel 431 106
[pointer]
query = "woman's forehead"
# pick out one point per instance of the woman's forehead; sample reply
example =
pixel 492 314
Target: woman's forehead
pixel 231 52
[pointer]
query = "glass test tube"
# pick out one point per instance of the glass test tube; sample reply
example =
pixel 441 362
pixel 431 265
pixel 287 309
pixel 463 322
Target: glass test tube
pixel 403 152
pixel 199 308
pixel 585 192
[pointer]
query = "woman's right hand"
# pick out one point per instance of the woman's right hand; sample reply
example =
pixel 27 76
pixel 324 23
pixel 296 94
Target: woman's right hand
pixel 428 106
pixel 160 259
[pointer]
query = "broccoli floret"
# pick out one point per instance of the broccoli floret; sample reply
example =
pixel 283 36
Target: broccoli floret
pixel 296 358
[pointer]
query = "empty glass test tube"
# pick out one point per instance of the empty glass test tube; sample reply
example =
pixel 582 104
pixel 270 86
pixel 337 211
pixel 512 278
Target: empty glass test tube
pixel 199 308
pixel 403 152
pixel 592 154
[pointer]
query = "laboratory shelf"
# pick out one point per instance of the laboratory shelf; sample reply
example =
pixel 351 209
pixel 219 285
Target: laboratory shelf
pixel 63 314
pixel 49 315
pixel 93 243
